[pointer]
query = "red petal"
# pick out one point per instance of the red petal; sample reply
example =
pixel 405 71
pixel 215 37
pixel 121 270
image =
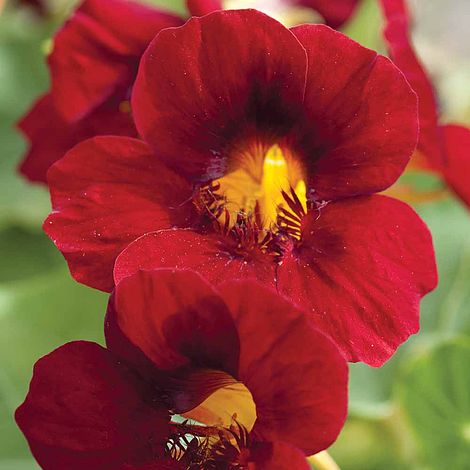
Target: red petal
pixel 85 409
pixel 106 192
pixel 277 456
pixel 176 319
pixel 51 136
pixel 203 7
pixel 297 376
pixel 184 249
pixel 457 160
pixel 48 136
pixel 364 111
pixel 397 35
pixel 98 50
pixel 193 91
pixel 335 12
pixel 361 270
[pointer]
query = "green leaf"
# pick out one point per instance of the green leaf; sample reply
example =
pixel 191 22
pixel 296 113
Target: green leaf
pixel 23 76
pixel 365 26
pixel 177 6
pixel 369 444
pixel 434 392
pixel 25 254
pixel 36 316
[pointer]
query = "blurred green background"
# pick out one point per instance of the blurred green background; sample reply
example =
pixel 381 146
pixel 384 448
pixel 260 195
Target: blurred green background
pixel 414 413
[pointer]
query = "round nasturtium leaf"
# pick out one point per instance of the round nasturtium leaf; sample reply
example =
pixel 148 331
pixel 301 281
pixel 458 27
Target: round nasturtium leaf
pixel 435 394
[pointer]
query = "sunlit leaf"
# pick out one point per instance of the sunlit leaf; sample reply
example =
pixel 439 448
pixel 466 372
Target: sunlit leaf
pixel 36 316
pixel 434 392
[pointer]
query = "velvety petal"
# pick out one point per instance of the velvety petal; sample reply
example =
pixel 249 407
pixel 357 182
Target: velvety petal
pixel 195 93
pixel 363 114
pixel 297 376
pixel 176 319
pixel 456 168
pixel 120 344
pixel 106 192
pixel 397 34
pixel 50 136
pixel 86 409
pixel 361 269
pixel 277 456
pixel 209 255
pixel 335 12
pixel 98 50
pixel 203 7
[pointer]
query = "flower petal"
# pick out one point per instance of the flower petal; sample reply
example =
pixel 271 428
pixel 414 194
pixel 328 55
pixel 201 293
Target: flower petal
pixel 335 12
pixel 203 7
pixel 106 192
pixel 361 269
pixel 363 111
pixel 86 409
pixel 206 254
pixel 176 319
pixel 277 456
pixel 98 50
pixel 457 160
pixel 397 35
pixel 49 139
pixel 51 136
pixel 194 91
pixel 278 344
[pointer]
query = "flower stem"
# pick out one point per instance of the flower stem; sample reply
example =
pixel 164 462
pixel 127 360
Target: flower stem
pixel 323 461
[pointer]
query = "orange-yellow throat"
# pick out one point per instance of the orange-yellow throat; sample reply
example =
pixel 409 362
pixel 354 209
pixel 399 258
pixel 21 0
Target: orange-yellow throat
pixel 258 184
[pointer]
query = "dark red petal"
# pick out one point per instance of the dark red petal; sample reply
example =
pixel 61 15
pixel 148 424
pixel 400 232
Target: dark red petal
pixel 120 345
pixel 297 376
pixel 335 12
pixel 106 192
pixel 277 456
pixel 397 34
pixel 203 7
pixel 184 249
pixel 194 91
pixel 49 139
pixel 99 49
pixel 85 409
pixel 176 319
pixel 456 168
pixel 363 111
pixel 50 136
pixel 361 270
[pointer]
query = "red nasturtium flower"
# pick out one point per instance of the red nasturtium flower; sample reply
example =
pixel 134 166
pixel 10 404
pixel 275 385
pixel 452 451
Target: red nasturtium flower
pixel 334 12
pixel 443 149
pixel 265 150
pixel 219 358
pixel 93 65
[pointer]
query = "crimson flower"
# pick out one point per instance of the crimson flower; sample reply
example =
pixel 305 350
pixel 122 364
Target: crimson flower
pixel 262 155
pixel 93 66
pixel 443 149
pixel 249 394
pixel 334 12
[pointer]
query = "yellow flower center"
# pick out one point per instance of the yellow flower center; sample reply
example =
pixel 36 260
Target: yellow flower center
pixel 232 402
pixel 256 186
